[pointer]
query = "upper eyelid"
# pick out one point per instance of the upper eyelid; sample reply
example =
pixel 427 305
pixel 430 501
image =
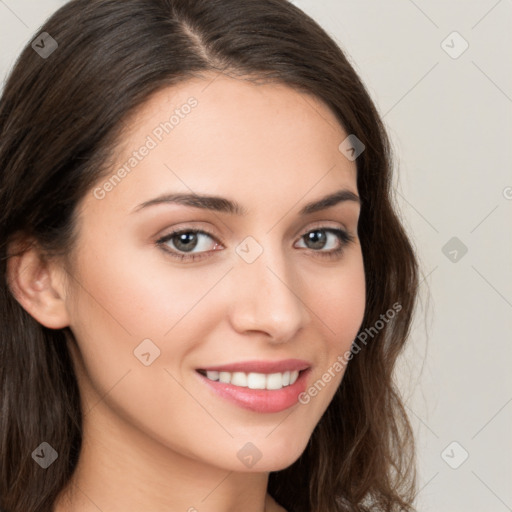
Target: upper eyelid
pixel 316 225
pixel 321 225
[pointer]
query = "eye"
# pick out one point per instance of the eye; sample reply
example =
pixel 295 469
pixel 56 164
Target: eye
pixel 193 244
pixel 321 237
pixel 186 240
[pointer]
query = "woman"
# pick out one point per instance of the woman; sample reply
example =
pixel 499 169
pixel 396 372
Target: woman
pixel 205 286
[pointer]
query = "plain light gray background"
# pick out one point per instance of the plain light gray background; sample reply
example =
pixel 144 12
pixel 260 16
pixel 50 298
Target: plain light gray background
pixel 449 115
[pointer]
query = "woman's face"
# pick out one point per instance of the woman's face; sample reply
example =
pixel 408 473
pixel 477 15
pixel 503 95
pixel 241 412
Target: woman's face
pixel 268 292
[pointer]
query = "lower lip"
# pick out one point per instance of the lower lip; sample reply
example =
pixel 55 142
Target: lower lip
pixel 260 400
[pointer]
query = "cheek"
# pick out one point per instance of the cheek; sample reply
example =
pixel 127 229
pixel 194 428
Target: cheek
pixel 338 305
pixel 340 302
pixel 137 293
pixel 118 304
pixel 126 297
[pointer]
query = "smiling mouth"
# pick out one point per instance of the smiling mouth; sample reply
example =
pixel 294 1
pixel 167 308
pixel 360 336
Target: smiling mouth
pixel 253 380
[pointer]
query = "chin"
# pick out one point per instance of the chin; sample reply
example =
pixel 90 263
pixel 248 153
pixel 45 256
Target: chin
pixel 271 454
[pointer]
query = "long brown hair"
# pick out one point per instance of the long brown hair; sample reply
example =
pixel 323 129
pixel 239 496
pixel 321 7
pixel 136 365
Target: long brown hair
pixel 60 118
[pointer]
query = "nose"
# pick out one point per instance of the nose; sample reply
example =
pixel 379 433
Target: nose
pixel 266 298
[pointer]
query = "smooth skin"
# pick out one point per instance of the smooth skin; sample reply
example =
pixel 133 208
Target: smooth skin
pixel 156 437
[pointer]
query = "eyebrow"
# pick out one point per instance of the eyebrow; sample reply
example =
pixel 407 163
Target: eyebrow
pixel 224 205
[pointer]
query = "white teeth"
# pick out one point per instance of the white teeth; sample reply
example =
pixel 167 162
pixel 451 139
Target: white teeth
pixel 239 379
pixel 255 380
pixel 213 375
pixel 275 381
pixel 225 377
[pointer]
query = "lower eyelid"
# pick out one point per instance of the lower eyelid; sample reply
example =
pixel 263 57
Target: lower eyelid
pixel 343 236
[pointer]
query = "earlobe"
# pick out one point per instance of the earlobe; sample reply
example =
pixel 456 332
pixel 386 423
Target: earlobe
pixel 38 286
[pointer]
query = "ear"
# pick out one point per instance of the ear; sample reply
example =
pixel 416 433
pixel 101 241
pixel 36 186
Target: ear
pixel 38 285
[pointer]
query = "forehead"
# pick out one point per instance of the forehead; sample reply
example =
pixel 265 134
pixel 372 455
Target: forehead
pixel 229 136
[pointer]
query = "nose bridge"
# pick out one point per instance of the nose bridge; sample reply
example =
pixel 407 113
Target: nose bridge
pixel 266 298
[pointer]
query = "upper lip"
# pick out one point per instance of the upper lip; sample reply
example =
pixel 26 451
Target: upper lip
pixel 260 366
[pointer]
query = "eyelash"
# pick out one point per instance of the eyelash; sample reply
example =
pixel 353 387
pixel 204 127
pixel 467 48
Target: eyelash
pixel 344 238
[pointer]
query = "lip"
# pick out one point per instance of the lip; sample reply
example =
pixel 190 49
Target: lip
pixel 259 400
pixel 260 366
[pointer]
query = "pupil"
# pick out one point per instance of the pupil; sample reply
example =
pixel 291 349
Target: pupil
pixel 186 238
pixel 318 241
